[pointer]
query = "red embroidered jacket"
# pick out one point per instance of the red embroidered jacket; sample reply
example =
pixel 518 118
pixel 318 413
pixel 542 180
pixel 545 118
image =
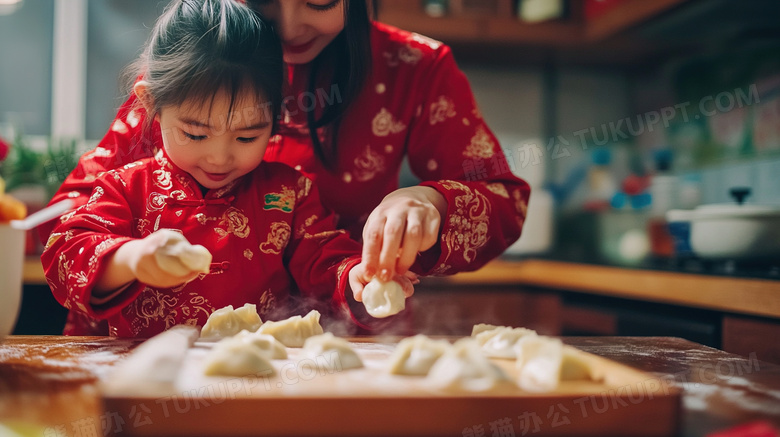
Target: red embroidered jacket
pixel 268 232
pixel 418 105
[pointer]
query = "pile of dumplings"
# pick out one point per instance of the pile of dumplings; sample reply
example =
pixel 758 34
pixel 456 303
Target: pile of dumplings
pixel 246 346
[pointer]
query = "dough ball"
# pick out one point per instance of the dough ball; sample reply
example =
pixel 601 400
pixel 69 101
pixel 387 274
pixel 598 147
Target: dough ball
pixel 383 299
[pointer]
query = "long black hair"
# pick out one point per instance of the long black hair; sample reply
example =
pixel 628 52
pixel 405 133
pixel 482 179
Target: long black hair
pixel 199 47
pixel 347 60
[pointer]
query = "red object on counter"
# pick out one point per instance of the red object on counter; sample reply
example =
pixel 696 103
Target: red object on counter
pixel 4 148
pixel 753 429
pixel 635 184
pixel 596 8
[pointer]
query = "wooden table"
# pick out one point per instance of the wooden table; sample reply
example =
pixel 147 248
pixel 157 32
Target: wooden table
pixel 51 381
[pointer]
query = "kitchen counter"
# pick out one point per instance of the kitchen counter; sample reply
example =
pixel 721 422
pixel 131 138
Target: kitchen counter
pixel 757 297
pixel 51 381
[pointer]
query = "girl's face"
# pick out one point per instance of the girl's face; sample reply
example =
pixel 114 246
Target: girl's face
pixel 304 26
pixel 213 145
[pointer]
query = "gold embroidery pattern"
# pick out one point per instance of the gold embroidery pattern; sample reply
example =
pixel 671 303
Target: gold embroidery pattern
pixel 233 222
pixel 368 164
pixel 266 303
pixel 481 146
pixel 162 179
pixel 99 219
pixel 155 202
pixel 277 238
pixel 304 187
pixel 340 270
pixel 151 306
pixel 441 110
pixel 306 223
pixel 441 270
pixel 222 191
pixel 54 237
pixel 141 225
pixel 409 55
pixel 63 267
pixel 520 204
pixel 469 224
pixel 98 152
pixel 325 234
pixel 97 193
pixel 385 124
pixel 430 42
pixel 248 254
pixel 499 189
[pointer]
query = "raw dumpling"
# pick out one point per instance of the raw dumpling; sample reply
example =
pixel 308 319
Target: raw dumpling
pixel 248 318
pixel 383 299
pixel 482 327
pixel 270 347
pixel 234 357
pixel 499 342
pixel 576 366
pixel 331 352
pixel 415 355
pixel 178 257
pixel 464 366
pixel 542 362
pixel 226 322
pixel 294 331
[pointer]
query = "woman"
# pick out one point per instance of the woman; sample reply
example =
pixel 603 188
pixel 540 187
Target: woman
pixel 374 95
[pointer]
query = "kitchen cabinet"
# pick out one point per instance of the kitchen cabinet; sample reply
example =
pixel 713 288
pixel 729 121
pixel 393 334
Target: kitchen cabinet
pixel 575 38
pixel 750 335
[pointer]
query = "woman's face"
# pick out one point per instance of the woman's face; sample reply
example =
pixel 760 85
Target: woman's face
pixel 304 26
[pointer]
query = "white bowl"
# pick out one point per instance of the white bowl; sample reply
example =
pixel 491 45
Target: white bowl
pixel 11 265
pixel 731 231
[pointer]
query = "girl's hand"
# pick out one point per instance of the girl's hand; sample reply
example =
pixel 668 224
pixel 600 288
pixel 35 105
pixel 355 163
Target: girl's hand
pixel 163 259
pixel 358 280
pixel 405 222
pixel 166 259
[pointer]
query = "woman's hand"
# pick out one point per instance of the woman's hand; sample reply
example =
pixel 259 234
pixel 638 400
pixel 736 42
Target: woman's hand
pixel 163 259
pixel 405 223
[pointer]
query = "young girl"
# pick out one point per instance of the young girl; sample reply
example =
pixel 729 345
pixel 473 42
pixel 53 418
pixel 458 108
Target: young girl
pixel 212 77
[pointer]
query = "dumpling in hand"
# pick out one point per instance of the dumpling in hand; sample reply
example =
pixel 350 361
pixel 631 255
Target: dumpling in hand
pixel 270 347
pixel 464 366
pixel 415 355
pixel 234 357
pixel 226 322
pixel 499 342
pixel 331 352
pixel 292 332
pixel 383 299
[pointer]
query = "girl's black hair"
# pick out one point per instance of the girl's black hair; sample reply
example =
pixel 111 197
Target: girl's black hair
pixel 199 47
pixel 347 61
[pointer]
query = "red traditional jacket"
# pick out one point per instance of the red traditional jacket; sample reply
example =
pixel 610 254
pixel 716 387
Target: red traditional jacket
pixel 417 105
pixel 269 235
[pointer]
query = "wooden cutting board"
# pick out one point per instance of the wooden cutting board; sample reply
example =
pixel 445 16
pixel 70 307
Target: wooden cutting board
pixel 302 399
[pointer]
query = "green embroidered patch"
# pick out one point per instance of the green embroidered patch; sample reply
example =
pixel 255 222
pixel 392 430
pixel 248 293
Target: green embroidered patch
pixel 278 201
